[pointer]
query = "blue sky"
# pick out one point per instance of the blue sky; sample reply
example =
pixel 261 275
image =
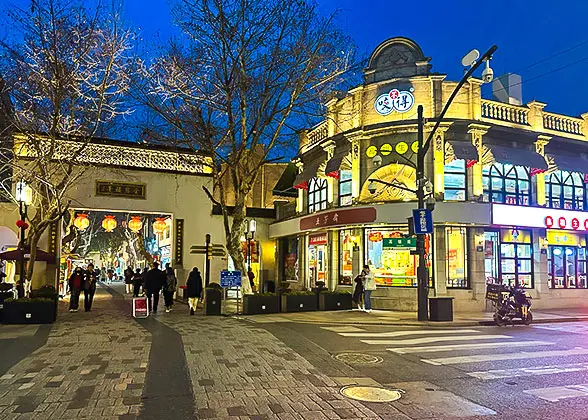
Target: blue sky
pixel 526 31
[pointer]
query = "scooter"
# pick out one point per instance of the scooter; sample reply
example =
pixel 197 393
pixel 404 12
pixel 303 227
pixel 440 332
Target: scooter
pixel 510 303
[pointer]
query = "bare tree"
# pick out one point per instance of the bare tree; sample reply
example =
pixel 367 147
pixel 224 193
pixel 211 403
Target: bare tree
pixel 66 69
pixel 245 78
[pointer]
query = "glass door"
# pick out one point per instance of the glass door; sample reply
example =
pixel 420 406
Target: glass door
pixel 566 267
pixel 491 257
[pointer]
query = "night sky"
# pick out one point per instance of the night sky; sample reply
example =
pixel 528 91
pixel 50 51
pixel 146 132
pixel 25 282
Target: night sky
pixel 526 31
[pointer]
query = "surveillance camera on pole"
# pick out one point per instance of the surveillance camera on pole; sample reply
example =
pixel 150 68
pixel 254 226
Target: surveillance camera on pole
pixel 487 73
pixel 377 161
pixel 372 187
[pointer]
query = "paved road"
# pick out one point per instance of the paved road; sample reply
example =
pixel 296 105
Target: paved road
pixel 537 372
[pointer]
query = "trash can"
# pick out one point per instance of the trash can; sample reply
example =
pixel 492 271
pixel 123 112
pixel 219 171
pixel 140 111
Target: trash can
pixel 441 308
pixel 212 301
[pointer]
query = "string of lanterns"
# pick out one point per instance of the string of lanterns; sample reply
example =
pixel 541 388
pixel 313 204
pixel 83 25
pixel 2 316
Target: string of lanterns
pixel 109 223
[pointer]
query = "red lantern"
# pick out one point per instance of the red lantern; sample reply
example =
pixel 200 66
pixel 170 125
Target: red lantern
pixel 159 225
pixel 20 223
pixel 109 223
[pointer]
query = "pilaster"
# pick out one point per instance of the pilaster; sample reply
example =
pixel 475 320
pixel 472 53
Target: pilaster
pixel 329 147
pixel 540 144
pixel 355 168
pixel 535 116
pixel 585 128
pixel 477 131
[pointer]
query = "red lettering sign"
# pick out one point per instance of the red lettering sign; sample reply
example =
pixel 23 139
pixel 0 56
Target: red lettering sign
pixel 575 223
pixel 562 222
pixel 338 217
pixel 318 239
pixel 549 221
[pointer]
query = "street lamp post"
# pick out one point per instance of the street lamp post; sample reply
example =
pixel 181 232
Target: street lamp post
pixel 251 228
pixel 471 59
pixel 422 272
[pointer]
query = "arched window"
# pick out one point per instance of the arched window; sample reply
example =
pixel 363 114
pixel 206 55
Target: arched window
pixel 507 184
pixel 564 190
pixel 317 194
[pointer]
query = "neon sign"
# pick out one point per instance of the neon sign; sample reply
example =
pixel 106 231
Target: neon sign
pixel 539 217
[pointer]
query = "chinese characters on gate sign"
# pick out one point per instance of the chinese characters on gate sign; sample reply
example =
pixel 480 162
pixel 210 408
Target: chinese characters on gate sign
pixel 338 217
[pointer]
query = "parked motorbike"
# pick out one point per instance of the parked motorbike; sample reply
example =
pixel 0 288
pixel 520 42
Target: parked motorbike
pixel 509 303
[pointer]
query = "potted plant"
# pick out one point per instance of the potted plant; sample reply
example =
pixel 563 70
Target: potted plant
pixel 29 311
pixel 298 301
pixel 263 303
pixel 332 301
pixel 212 299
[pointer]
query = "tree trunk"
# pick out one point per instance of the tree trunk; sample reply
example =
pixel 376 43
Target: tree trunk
pixel 234 246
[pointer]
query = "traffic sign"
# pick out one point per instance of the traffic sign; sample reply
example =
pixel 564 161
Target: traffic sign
pixel 230 278
pixel 423 221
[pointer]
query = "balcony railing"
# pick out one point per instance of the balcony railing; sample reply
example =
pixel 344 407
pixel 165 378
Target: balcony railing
pixel 563 123
pixel 505 112
pixel 318 133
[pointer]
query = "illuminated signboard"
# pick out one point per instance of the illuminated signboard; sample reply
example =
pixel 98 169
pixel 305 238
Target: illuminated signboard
pixel 395 100
pixel 539 217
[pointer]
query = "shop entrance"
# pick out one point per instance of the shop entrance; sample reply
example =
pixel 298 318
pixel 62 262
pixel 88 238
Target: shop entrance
pixel 566 260
pixel 317 259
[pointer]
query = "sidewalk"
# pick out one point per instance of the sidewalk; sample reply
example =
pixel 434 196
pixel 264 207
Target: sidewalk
pixel 379 317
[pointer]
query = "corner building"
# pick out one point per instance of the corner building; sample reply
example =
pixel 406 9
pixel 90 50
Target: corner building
pixel 510 184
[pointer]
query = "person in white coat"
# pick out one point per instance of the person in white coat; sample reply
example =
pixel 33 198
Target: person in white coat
pixel 369 285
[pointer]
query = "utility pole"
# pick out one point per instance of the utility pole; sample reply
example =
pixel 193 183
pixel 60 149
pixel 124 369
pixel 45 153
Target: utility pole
pixel 422 272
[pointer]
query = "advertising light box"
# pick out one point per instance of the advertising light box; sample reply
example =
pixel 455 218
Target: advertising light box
pixel 539 217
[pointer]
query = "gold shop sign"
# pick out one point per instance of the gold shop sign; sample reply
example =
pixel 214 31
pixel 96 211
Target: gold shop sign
pixel 121 189
pixel 179 249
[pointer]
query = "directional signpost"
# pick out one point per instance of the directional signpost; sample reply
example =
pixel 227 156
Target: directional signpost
pixel 231 280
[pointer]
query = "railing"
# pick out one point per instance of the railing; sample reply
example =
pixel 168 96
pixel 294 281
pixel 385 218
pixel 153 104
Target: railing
pixel 505 112
pixel 316 134
pixel 563 123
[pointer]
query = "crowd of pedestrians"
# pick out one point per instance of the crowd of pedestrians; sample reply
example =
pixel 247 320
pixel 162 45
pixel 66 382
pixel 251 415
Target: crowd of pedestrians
pixel 149 283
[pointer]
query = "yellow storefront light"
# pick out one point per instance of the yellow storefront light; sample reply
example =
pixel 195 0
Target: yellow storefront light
pixel 135 224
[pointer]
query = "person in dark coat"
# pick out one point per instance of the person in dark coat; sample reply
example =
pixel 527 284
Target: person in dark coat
pixel 76 282
pixel 128 273
pixel 358 293
pixel 194 289
pixel 137 283
pixel 171 283
pixel 154 282
pixel 90 280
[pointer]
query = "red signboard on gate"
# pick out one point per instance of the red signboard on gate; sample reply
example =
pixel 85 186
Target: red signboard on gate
pixel 339 217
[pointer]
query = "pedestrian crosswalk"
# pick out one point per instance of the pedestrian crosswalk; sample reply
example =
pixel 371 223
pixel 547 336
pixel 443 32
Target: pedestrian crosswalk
pixel 506 354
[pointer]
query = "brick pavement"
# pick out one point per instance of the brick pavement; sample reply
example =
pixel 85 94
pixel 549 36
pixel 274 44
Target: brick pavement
pixel 94 365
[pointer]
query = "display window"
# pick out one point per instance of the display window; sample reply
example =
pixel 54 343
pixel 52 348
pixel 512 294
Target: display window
pixel 348 256
pixel 508 257
pixel 345 191
pixel 388 253
pixel 290 259
pixel 566 260
pixel 455 180
pixel 507 184
pixel 317 194
pixel 456 257
pixel 317 259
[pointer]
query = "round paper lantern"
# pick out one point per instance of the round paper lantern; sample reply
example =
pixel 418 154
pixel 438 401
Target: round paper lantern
pixel 159 225
pixel 135 224
pixel 109 223
pixel 81 221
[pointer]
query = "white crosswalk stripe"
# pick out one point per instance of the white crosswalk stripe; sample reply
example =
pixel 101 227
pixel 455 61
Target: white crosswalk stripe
pixel 428 349
pixel 403 333
pixel 529 371
pixel 504 356
pixel 425 340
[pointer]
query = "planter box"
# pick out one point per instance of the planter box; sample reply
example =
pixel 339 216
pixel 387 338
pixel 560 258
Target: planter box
pixel 212 302
pixel 27 312
pixel 298 303
pixel 253 304
pixel 334 301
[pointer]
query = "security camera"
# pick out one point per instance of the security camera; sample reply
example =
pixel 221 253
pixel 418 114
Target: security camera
pixel 372 187
pixel 377 161
pixel 488 73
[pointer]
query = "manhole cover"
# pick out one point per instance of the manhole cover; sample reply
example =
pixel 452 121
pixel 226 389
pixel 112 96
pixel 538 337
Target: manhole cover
pixel 370 393
pixel 358 358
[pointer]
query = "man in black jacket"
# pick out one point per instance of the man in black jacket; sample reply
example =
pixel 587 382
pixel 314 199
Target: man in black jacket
pixel 154 281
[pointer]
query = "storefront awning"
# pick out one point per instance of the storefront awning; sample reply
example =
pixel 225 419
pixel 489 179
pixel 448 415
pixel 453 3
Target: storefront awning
pixel 461 150
pixel 285 185
pixel 569 163
pixel 309 171
pixel 334 164
pixel 518 157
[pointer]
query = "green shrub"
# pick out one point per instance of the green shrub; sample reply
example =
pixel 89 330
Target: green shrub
pixel 336 292
pixel 299 293
pixel 6 287
pixel 25 301
pixel 264 294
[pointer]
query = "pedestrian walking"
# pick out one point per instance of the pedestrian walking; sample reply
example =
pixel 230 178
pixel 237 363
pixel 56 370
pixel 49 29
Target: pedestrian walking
pixel 90 281
pixel 76 282
pixel 358 293
pixel 154 282
pixel 137 282
pixel 194 289
pixel 128 273
pixel 251 276
pixel 369 285
pixel 171 283
pixel 109 275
